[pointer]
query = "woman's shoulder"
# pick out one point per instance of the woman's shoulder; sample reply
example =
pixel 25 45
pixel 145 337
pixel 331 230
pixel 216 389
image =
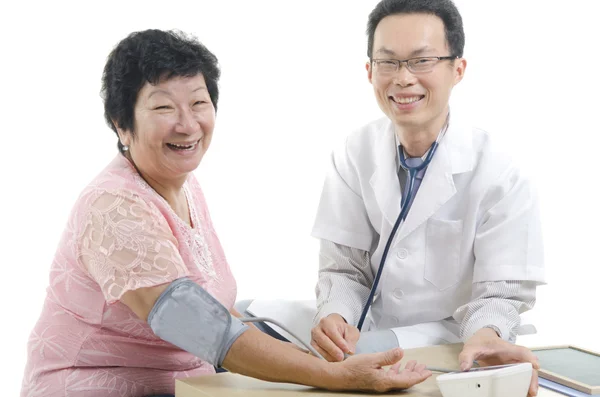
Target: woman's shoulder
pixel 118 182
pixel 119 177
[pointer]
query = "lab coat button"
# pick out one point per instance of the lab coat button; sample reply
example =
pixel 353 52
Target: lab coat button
pixel 398 293
pixel 402 253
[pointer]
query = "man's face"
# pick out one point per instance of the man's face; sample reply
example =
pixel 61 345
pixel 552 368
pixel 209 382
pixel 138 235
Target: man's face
pixel 413 100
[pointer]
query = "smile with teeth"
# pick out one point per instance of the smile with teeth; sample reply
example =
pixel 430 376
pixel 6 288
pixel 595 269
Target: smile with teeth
pixel 183 147
pixel 407 100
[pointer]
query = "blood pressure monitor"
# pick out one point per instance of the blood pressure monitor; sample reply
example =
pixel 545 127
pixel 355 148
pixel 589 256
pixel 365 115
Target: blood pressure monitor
pixel 511 380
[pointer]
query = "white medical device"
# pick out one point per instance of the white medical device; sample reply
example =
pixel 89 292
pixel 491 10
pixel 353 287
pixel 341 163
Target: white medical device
pixel 497 381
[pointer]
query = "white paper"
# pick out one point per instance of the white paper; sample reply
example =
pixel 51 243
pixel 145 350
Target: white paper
pixel 297 316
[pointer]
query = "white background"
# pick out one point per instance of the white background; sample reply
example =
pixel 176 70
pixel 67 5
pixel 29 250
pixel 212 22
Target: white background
pixel 293 84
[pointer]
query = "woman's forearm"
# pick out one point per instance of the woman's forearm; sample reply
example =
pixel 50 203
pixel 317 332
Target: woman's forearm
pixel 260 356
pixel 237 314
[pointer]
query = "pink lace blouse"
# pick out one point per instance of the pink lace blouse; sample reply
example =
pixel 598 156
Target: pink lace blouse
pixel 121 235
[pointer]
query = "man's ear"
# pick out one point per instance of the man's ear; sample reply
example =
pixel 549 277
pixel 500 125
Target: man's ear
pixel 369 68
pixel 459 69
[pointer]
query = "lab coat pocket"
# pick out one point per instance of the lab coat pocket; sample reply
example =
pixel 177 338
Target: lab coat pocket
pixel 442 252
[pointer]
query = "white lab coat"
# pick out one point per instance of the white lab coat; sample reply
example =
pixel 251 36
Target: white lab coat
pixel 474 219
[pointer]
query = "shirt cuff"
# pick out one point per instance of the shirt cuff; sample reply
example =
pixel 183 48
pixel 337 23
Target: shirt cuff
pixel 337 308
pixel 497 324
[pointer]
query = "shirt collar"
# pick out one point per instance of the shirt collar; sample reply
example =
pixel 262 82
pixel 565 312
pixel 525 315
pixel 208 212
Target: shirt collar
pixel 399 145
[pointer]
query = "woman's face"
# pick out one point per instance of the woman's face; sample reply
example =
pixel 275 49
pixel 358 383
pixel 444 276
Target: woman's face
pixel 173 124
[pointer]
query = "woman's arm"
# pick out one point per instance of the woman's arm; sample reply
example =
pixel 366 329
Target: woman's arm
pixel 258 355
pixel 237 314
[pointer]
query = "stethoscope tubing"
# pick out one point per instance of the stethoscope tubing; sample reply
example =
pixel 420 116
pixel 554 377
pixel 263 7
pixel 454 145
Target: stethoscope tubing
pixel 412 175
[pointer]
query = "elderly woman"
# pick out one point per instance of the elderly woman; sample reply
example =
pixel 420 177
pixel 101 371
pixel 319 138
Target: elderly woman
pixel 140 291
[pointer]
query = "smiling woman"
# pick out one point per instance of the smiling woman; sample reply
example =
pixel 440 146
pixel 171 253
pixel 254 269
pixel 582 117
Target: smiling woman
pixel 174 123
pixel 140 224
pixel 140 290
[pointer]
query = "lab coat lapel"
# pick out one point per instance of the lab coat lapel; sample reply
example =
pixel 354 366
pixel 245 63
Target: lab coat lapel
pixel 437 187
pixel 384 181
pixel 454 156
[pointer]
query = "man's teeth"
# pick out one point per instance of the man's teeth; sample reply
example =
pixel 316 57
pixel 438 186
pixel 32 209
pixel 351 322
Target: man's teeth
pixel 406 100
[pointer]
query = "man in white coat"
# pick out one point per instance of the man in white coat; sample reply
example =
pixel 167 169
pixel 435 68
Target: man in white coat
pixel 468 257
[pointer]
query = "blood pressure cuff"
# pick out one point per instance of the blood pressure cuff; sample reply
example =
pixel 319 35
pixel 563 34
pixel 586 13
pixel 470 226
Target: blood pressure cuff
pixel 376 341
pixel 193 320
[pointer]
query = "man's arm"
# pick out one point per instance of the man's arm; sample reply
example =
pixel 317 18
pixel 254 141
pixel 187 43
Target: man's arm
pixel 496 305
pixel 345 280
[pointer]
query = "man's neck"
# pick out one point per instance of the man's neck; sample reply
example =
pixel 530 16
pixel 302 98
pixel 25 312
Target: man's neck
pixel 416 140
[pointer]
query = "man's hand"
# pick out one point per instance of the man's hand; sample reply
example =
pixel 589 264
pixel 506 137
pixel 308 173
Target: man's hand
pixel 364 372
pixel 333 337
pixel 487 348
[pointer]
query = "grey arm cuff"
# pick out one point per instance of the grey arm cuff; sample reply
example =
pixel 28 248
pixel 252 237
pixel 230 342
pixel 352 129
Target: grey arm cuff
pixel 235 331
pixel 376 341
pixel 192 319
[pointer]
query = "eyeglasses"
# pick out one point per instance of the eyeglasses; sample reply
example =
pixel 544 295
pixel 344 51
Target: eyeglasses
pixel 414 65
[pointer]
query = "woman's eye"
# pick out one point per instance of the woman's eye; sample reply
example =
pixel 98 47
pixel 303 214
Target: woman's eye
pixel 162 107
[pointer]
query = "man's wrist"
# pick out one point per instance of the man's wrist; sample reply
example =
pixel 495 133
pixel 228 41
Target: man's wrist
pixel 495 329
pixel 334 307
pixel 337 317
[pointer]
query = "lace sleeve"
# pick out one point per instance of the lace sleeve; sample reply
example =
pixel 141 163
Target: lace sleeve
pixel 126 244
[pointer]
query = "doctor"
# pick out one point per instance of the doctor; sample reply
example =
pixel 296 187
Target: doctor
pixel 468 257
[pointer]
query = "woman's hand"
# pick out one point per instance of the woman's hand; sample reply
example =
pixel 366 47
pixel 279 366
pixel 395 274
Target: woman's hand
pixel 365 372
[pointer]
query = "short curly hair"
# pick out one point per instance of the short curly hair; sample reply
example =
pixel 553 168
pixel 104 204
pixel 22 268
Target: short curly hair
pixel 152 56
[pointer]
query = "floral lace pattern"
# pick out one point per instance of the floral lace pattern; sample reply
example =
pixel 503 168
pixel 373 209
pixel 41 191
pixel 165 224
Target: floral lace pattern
pixel 121 236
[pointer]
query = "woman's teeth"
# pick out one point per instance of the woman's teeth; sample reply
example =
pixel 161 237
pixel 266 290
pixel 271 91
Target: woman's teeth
pixel 182 147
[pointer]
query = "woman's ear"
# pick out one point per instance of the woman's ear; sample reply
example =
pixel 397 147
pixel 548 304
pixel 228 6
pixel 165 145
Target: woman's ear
pixel 124 136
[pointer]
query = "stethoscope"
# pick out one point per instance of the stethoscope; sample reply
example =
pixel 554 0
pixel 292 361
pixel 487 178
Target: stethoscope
pixel 405 203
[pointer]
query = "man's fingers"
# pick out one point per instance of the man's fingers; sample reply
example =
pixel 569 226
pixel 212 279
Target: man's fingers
pixel 323 342
pixel 528 356
pixel 323 353
pixel 334 335
pixel 533 387
pixel 352 335
pixel 518 354
pixel 466 358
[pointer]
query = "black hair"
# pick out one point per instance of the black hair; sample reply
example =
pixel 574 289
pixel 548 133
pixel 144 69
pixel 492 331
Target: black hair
pixel 152 56
pixel 443 9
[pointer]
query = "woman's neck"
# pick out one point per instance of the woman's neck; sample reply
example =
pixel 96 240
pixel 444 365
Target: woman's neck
pixel 170 190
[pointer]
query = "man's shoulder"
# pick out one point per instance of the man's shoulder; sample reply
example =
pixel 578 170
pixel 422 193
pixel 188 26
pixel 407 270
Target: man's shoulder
pixel 497 158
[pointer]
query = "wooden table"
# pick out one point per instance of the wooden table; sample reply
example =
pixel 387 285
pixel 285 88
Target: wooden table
pixel 227 384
